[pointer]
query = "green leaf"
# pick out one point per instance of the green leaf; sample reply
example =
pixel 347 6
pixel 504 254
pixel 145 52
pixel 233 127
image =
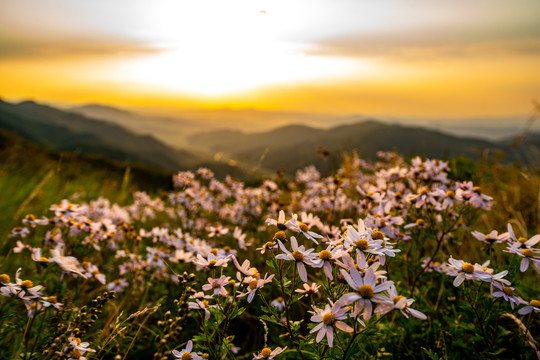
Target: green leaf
pixel 430 354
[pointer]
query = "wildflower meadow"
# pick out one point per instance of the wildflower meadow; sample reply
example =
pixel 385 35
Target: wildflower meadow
pixel 390 259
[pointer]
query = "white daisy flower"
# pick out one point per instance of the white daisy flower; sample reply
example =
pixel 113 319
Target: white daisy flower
pixel 466 271
pixel 268 353
pixel 211 262
pixel 326 256
pixel 492 237
pixel 308 289
pixel 201 305
pixel 507 293
pixel 253 285
pixel 303 228
pixel 217 285
pixel 529 255
pixel 328 318
pixel 399 302
pixel 533 305
pixel 280 222
pixel 300 255
pixel 366 292
pixel 245 268
pixel 186 353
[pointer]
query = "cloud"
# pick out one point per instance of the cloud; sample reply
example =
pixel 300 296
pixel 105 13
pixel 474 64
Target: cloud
pixel 17 47
pixel 434 41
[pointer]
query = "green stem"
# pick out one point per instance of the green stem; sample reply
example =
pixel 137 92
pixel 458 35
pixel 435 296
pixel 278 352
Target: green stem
pixel 355 334
pixel 287 317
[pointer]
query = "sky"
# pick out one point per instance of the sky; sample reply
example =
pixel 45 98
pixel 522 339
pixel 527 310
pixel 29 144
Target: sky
pixel 426 58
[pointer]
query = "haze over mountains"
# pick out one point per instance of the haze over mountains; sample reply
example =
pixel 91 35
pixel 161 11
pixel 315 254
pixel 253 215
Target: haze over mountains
pixel 124 136
pixel 166 127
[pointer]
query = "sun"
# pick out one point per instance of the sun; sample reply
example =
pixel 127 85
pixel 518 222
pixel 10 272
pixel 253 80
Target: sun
pixel 223 49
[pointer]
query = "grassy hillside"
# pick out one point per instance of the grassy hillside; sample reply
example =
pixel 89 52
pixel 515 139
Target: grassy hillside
pixel 31 178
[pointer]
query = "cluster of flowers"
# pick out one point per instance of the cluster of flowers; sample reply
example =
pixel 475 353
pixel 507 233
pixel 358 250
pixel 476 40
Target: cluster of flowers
pixel 520 246
pixel 209 225
pixel 25 290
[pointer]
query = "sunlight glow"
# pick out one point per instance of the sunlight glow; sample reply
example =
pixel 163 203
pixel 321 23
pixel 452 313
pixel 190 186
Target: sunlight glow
pixel 225 48
pixel 223 70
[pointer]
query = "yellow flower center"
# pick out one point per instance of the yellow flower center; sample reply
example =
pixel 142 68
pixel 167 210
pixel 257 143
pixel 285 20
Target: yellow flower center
pixel 215 252
pixel 268 245
pixel 76 353
pixel 4 278
pixel 468 268
pixel 297 255
pixel 535 303
pixel 43 259
pixel 78 340
pixel 420 222
pixel 205 303
pixel 527 252
pixel 366 291
pixel 325 255
pixel 186 356
pixel 362 244
pixel 303 227
pixel 266 352
pixel 215 285
pixel 52 299
pixel 329 319
pixel 522 240
pixel 423 192
pixel 377 235
pixel 280 235
pixel 450 194
pixel 508 291
pixel 205 356
pixel 27 284
pixel 227 248
pixel 212 262
pixel 477 189
pixel 279 299
pixel 398 298
pixel 232 282
pixel 253 284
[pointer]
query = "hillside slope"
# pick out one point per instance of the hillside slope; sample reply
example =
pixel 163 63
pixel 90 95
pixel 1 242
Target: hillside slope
pixel 63 131
pixel 297 146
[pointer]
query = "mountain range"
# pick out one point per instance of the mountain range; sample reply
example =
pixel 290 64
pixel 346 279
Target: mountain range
pixel 121 137
pixel 297 146
pixel 64 131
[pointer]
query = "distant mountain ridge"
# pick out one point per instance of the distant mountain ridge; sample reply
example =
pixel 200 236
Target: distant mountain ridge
pixel 93 111
pixel 64 131
pixel 238 152
pixel 296 146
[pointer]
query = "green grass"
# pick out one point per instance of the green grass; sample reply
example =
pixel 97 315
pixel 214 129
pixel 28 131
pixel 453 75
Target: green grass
pixel 32 179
